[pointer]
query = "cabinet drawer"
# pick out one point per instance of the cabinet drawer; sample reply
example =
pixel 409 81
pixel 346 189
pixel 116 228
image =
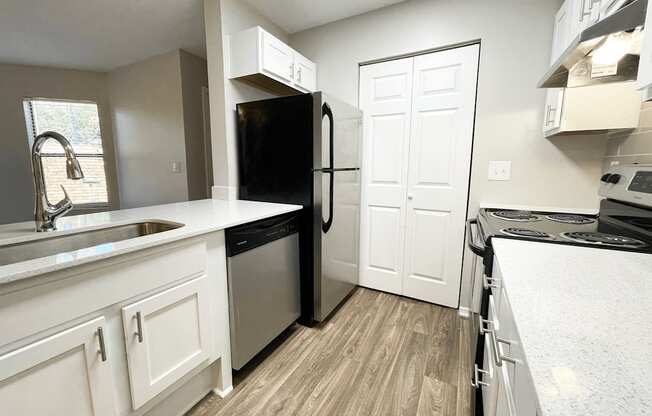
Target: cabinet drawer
pixel 166 336
pixel 67 373
pixel 85 289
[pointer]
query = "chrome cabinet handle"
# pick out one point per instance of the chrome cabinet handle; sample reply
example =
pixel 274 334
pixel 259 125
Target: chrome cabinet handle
pixel 490 282
pixel 299 74
pixel 477 382
pixel 582 11
pixel 489 325
pixel 497 350
pixel 292 70
pixel 139 325
pixel 100 337
pixel 550 110
pixel 502 356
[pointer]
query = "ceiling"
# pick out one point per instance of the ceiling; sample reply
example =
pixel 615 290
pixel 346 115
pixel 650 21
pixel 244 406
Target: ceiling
pixel 297 15
pixel 98 34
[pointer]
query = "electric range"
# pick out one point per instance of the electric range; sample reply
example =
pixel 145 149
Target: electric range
pixel 624 222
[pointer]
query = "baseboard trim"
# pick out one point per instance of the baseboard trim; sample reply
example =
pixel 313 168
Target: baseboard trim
pixel 227 193
pixel 223 393
pixel 464 312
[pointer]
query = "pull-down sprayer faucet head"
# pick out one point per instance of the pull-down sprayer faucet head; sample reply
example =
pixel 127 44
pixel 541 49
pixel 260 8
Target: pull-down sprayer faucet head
pixel 46 213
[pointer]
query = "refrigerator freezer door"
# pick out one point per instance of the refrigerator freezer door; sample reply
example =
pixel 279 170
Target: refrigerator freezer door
pixel 345 124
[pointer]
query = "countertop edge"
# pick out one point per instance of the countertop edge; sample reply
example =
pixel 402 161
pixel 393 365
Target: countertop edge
pixel 161 239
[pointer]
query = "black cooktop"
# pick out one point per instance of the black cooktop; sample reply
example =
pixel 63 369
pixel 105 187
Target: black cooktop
pixel 618 226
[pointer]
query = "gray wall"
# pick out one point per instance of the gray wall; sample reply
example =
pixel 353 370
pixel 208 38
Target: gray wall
pixel 194 77
pixel 516 36
pixel 147 110
pixel 18 82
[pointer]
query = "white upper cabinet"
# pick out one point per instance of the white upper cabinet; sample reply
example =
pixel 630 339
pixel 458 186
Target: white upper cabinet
pixel 562 31
pixel 277 58
pixel 586 109
pixel 67 373
pixel 305 72
pixel 258 56
pixel 645 63
pixel 595 108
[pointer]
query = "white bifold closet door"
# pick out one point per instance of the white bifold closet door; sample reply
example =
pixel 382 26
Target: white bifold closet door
pixel 418 122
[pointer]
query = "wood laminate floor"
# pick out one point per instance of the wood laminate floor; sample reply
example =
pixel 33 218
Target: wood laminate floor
pixel 380 354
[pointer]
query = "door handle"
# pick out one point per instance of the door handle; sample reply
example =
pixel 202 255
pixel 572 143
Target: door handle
pixel 410 197
pixel 100 338
pixel 551 109
pixel 490 282
pixel 139 326
pixel 477 382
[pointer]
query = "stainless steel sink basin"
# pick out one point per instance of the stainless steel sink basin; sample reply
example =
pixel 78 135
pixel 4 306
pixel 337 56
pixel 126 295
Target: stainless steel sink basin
pixel 48 246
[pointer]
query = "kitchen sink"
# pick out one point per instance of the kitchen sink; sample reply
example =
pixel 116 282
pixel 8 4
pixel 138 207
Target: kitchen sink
pixel 49 246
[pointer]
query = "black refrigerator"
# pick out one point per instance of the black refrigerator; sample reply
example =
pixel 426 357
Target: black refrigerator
pixel 305 149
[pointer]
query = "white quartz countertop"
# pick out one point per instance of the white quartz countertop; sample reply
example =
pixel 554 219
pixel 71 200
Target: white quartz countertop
pixel 584 316
pixel 198 217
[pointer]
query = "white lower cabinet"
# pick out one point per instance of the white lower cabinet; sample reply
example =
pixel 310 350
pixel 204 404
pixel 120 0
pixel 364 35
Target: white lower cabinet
pixel 166 336
pixel 68 373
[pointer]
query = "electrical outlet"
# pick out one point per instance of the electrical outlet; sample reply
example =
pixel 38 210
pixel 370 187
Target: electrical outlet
pixel 500 170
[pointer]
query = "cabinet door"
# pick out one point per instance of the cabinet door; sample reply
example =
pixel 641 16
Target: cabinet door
pixel 490 391
pixel 166 336
pixel 553 109
pixel 305 76
pixel 64 374
pixel 645 63
pixel 277 58
pixel 561 35
pixel 584 14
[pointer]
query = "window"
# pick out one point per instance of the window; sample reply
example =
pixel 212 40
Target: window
pixel 79 122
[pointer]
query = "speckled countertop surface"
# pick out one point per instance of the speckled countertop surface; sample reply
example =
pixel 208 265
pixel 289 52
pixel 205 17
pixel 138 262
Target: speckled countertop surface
pixel 198 217
pixel 584 316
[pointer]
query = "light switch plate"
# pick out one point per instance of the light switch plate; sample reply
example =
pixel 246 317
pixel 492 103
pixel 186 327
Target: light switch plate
pixel 176 167
pixel 500 170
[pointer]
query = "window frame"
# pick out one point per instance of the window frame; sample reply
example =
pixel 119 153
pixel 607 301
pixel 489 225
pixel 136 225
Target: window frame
pixel 28 112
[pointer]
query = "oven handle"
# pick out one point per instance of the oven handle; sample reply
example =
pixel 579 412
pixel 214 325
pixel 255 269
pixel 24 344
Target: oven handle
pixel 476 249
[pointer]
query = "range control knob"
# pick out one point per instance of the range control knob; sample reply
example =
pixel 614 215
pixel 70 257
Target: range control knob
pixel 605 177
pixel 614 178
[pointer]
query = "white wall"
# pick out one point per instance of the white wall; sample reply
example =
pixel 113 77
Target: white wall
pixel 147 110
pixel 235 16
pixel 18 82
pixel 516 36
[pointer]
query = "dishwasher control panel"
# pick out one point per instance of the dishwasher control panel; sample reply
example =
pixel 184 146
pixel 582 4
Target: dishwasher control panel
pixel 247 236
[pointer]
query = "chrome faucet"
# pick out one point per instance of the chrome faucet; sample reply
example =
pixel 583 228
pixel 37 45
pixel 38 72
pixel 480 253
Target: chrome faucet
pixel 45 213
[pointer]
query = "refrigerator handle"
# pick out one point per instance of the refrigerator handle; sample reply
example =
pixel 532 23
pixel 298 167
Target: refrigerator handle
pixel 327 112
pixel 326 225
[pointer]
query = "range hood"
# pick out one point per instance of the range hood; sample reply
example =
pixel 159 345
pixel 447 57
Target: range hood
pixel 575 67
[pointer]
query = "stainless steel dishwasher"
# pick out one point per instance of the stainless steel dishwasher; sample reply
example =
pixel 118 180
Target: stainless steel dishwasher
pixel 263 277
